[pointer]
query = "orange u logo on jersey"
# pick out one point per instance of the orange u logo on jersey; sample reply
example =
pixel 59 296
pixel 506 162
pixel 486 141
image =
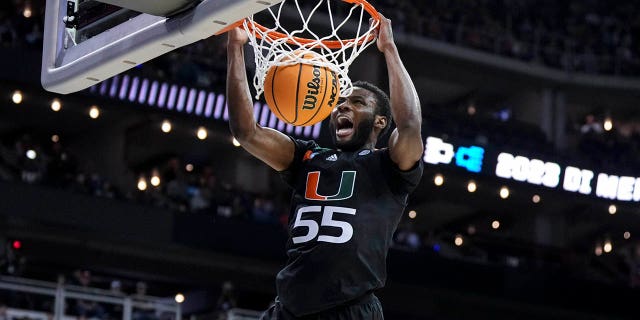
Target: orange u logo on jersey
pixel 345 191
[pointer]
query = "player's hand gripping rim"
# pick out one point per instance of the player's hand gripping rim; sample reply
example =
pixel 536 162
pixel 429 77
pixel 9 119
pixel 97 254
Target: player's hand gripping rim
pixel 384 34
pixel 237 36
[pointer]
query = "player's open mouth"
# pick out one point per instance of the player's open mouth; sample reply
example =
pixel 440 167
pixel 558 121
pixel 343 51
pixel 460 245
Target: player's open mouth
pixel 344 127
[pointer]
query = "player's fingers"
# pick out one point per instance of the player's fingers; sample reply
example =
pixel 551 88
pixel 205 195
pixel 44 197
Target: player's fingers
pixel 372 21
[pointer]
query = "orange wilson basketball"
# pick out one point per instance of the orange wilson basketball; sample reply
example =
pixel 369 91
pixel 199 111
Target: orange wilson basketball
pixel 301 94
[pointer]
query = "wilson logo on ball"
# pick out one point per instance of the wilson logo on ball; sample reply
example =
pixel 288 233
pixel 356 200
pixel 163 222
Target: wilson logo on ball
pixel 301 94
pixel 314 88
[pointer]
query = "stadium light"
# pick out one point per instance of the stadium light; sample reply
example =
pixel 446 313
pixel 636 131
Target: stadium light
pixel 471 110
pixel 94 112
pixel 27 13
pixel 166 126
pixel 504 192
pixel 608 246
pixel 142 184
pixel 535 198
pixel 608 124
pixel 202 133
pixel 471 186
pixel 598 250
pixel 438 180
pixel 56 105
pixel 155 180
pixel 31 154
pixel 16 97
pixel 458 241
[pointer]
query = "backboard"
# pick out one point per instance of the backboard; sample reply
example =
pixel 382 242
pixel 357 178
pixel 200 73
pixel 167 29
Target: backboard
pixel 88 41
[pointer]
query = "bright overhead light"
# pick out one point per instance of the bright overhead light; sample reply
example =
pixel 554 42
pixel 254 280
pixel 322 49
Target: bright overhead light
pixel 56 105
pixel 142 184
pixel 613 209
pixel 155 181
pixel 55 138
pixel 472 187
pixel 94 112
pixel 535 198
pixel 27 12
pixel 31 154
pixel 166 126
pixel 471 110
pixel 202 133
pixel 412 214
pixel 627 235
pixel 458 240
pixel 598 250
pixel 438 180
pixel 608 246
pixel 16 97
pixel 179 298
pixel 495 224
pixel 608 124
pixel 189 167
pixel 504 192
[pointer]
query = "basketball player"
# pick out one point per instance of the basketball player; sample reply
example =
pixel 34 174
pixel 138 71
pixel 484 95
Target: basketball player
pixel 347 201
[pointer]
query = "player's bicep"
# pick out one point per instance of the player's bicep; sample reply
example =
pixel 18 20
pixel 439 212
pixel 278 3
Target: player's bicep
pixel 272 147
pixel 406 148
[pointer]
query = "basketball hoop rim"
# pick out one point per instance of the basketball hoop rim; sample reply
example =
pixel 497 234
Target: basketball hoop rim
pixel 331 44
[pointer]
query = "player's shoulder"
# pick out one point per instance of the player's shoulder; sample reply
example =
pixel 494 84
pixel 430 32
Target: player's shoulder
pixel 308 149
pixel 315 150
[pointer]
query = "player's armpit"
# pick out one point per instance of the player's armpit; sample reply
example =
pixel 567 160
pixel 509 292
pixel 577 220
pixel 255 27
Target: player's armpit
pixel 406 148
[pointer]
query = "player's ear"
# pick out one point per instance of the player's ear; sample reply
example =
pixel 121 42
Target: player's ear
pixel 380 122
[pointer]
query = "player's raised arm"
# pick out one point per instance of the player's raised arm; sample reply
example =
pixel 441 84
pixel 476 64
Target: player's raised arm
pixel 272 147
pixel 405 143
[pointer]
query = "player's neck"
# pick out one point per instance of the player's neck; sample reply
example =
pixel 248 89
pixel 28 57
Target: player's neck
pixel 369 145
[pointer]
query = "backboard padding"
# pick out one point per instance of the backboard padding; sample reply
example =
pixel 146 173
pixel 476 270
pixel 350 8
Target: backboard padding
pixel 140 39
pixel 153 7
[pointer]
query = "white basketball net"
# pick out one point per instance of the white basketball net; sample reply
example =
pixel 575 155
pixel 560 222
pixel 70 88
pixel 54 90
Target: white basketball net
pixel 270 51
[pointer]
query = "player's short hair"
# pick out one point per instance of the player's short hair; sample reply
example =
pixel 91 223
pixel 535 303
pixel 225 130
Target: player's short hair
pixel 383 105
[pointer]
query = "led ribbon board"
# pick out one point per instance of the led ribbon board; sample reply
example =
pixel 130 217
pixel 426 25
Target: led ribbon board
pixel 549 174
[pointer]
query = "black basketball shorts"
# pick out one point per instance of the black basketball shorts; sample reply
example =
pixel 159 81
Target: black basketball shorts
pixel 365 308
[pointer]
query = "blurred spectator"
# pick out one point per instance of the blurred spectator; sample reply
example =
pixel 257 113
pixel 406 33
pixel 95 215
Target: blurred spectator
pixel 632 257
pixel 146 310
pixel 591 125
pixel 407 238
pixel 115 310
pixel 3 312
pixel 84 308
pixel 263 211
pixel 226 301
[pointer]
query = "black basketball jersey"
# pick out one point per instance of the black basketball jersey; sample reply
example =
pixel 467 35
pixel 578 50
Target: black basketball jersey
pixel 344 211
